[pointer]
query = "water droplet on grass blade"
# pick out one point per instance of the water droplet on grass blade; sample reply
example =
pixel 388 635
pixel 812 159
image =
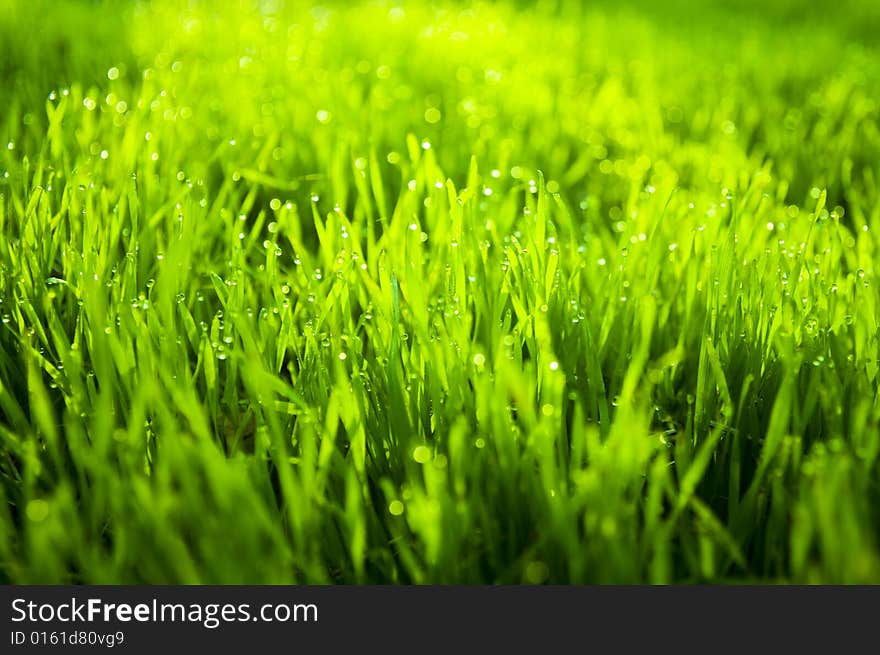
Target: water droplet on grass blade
pixel 37 510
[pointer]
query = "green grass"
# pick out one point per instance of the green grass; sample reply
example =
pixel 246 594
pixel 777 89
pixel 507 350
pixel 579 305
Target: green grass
pixel 438 293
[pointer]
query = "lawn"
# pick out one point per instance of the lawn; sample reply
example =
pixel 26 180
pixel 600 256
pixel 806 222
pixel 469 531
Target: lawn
pixel 439 292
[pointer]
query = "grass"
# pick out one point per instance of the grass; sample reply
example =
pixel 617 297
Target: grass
pixel 439 293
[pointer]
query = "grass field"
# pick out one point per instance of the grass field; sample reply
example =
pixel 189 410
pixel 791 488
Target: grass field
pixel 439 293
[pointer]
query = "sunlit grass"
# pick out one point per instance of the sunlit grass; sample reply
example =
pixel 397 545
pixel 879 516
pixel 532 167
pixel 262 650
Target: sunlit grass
pixel 513 293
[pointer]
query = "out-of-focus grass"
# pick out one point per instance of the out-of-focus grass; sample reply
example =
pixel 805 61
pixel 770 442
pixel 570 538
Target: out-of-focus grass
pixel 375 292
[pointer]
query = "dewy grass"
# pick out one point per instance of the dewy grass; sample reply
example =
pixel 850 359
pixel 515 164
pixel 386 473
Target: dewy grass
pixel 439 293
